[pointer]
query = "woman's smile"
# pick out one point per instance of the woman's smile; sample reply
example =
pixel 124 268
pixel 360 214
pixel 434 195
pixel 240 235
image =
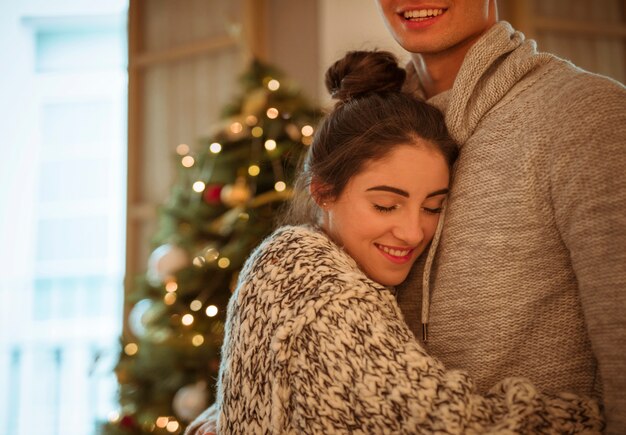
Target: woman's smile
pixel 394 254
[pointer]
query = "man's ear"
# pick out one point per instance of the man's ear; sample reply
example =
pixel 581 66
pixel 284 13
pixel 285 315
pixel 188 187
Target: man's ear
pixel 319 192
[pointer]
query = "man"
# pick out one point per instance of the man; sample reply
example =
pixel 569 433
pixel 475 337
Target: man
pixel 528 275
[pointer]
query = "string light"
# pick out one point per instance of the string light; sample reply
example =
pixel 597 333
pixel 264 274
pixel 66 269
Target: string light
pixel 199 186
pixel 270 144
pixel 188 161
pixel 211 311
pixel 131 349
pixel 187 319
pixel 211 254
pixel 182 149
pixel 236 127
pixel 162 421
pixel 172 426
pixel 307 130
pixel 223 262
pixel 307 140
pixel 215 147
pixel 171 286
pixel 195 305
pixel 169 298
pixel 197 340
pixel 272 113
pixel 198 261
pixel 251 120
pixel 273 85
pixel 257 132
pixel 280 186
pixel 254 170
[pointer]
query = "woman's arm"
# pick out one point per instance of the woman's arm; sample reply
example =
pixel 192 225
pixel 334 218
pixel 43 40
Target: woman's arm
pixel 356 367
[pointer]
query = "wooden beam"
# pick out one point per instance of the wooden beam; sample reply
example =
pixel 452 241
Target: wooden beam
pixel 254 27
pixel 195 48
pixel 522 17
pixel 580 27
pixel 134 153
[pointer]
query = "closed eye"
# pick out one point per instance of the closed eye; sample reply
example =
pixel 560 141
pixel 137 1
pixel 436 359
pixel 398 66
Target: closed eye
pixel 384 209
pixel 433 210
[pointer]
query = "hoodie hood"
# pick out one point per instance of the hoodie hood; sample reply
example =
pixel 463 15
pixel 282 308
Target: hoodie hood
pixel 487 78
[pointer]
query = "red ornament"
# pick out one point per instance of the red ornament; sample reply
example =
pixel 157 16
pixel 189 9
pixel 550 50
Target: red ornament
pixel 128 422
pixel 212 193
pixel 214 365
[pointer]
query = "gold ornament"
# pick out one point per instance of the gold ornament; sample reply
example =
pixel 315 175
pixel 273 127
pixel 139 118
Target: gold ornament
pixel 236 194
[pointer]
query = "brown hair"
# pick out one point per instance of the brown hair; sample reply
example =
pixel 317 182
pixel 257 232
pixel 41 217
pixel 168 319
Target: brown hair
pixel 371 118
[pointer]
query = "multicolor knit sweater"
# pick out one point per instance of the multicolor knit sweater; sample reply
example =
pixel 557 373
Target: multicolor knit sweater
pixel 314 346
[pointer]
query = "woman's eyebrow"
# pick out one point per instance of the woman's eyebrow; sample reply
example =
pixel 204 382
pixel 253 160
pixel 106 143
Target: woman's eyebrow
pixel 390 189
pixel 438 192
pixel 405 193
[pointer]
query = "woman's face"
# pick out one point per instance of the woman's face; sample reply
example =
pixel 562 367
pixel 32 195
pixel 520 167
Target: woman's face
pixel 387 214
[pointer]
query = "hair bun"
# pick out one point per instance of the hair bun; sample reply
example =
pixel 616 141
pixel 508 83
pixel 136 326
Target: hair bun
pixel 361 72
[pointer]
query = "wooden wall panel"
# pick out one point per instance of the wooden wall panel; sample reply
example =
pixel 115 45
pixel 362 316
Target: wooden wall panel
pixel 173 23
pixel 184 60
pixel 182 101
pixel 590 34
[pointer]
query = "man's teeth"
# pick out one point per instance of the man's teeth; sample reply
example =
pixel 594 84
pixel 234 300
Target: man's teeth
pixel 395 252
pixel 422 14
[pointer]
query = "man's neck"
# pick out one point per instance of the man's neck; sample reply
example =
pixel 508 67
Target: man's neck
pixel 437 72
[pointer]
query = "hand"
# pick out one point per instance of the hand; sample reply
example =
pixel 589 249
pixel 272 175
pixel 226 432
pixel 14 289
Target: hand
pixel 205 423
pixel 207 428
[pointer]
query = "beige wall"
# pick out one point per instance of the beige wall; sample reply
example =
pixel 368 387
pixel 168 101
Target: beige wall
pixel 350 25
pixel 293 42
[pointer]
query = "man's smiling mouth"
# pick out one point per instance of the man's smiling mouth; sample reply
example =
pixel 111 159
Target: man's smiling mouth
pixel 422 14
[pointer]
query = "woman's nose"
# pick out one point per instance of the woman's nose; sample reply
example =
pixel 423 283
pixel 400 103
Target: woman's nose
pixel 409 231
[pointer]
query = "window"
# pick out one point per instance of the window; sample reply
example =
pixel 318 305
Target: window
pixel 62 202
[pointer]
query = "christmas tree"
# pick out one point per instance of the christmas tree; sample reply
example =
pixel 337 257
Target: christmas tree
pixel 228 192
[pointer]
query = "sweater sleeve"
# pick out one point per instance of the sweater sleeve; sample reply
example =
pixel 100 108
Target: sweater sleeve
pixel 356 368
pixel 588 179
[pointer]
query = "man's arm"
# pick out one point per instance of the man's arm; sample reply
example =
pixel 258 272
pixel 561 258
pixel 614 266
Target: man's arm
pixel 588 182
pixel 357 368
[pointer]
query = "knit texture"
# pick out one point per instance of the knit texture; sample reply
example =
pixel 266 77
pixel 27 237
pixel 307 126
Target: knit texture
pixel 530 273
pixel 314 346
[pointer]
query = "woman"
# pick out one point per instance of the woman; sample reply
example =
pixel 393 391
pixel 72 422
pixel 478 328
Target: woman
pixel 315 342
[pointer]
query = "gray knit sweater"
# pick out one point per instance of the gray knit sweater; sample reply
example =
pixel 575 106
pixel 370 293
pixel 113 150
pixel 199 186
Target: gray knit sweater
pixel 313 346
pixel 529 278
